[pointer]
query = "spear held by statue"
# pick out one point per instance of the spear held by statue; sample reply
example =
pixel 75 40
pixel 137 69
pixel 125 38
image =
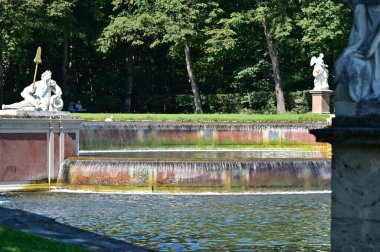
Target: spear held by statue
pixel 37 60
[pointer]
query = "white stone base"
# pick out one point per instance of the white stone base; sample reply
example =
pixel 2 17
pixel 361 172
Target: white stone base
pixel 28 113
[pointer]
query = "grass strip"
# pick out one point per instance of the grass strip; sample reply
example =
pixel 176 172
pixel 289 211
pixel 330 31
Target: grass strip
pixel 186 118
pixel 16 241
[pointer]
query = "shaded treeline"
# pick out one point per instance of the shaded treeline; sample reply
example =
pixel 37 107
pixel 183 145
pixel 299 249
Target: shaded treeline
pixel 171 56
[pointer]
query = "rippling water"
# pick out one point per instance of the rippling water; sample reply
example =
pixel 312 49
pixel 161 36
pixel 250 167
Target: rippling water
pixel 166 222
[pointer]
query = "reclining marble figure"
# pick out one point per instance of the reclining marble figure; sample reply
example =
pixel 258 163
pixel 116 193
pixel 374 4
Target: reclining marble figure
pixel 38 97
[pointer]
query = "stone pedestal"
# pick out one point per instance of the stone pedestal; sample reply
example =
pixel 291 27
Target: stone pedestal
pixel 355 185
pixel 321 101
pixel 34 145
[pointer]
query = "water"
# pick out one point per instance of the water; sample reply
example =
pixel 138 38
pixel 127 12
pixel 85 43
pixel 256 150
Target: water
pixel 208 154
pixel 103 136
pixel 196 176
pixel 169 222
pixel 276 221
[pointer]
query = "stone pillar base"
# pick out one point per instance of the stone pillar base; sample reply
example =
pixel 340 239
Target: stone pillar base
pixel 321 101
pixel 355 201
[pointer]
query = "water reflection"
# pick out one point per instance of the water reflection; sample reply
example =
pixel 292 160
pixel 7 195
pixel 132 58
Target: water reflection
pixel 167 222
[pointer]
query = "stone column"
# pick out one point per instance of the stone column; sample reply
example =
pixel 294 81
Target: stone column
pixel 355 201
pixel 321 101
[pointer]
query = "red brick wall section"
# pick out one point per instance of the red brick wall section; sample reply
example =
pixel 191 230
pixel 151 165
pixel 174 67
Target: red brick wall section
pixel 22 156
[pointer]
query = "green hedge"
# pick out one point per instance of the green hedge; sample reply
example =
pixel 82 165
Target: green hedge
pixel 254 102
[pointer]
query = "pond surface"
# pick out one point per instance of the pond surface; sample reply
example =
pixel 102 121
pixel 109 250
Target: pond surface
pixel 188 222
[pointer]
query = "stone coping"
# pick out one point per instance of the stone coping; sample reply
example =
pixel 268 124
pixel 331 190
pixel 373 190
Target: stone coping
pixel 49 228
pixel 25 113
pixel 360 130
pixel 321 91
pixel 56 123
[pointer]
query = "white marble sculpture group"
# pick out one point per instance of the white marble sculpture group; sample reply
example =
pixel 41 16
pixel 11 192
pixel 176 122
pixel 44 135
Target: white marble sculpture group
pixel 320 73
pixel 38 96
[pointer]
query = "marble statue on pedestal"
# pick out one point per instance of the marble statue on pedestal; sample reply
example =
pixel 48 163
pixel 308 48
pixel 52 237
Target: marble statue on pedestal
pixel 358 68
pixel 38 96
pixel 320 73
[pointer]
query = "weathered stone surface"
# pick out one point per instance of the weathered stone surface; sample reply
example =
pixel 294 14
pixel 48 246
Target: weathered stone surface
pixel 347 236
pixel 49 228
pixel 355 202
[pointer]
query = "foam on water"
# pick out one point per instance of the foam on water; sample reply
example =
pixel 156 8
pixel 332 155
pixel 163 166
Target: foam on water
pixel 186 193
pixel 208 154
pixel 193 150
pixel 3 201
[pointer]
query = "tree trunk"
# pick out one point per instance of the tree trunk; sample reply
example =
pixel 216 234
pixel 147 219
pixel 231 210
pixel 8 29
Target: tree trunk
pixel 129 82
pixel 276 69
pixel 65 59
pixel 1 81
pixel 193 81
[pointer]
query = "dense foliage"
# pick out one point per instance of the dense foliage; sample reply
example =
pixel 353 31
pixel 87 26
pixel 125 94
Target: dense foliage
pixel 172 56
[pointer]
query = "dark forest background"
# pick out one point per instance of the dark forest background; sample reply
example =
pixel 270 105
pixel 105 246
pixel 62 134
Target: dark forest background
pixel 172 56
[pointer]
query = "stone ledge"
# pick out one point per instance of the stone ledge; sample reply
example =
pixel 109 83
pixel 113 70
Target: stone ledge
pixel 351 130
pixel 26 113
pixel 38 125
pixel 368 121
pixel 321 91
pixel 346 135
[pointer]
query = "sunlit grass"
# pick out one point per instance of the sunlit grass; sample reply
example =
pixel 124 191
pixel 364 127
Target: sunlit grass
pixel 15 241
pixel 230 118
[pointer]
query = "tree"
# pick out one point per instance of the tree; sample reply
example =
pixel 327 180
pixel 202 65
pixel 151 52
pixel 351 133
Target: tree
pixel 60 13
pixel 276 25
pixel 18 20
pixel 324 24
pixel 173 22
pixel 125 31
pixel 101 51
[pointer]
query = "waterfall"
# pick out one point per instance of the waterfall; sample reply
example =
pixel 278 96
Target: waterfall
pixel 140 156
pixel 197 175
pixel 104 136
